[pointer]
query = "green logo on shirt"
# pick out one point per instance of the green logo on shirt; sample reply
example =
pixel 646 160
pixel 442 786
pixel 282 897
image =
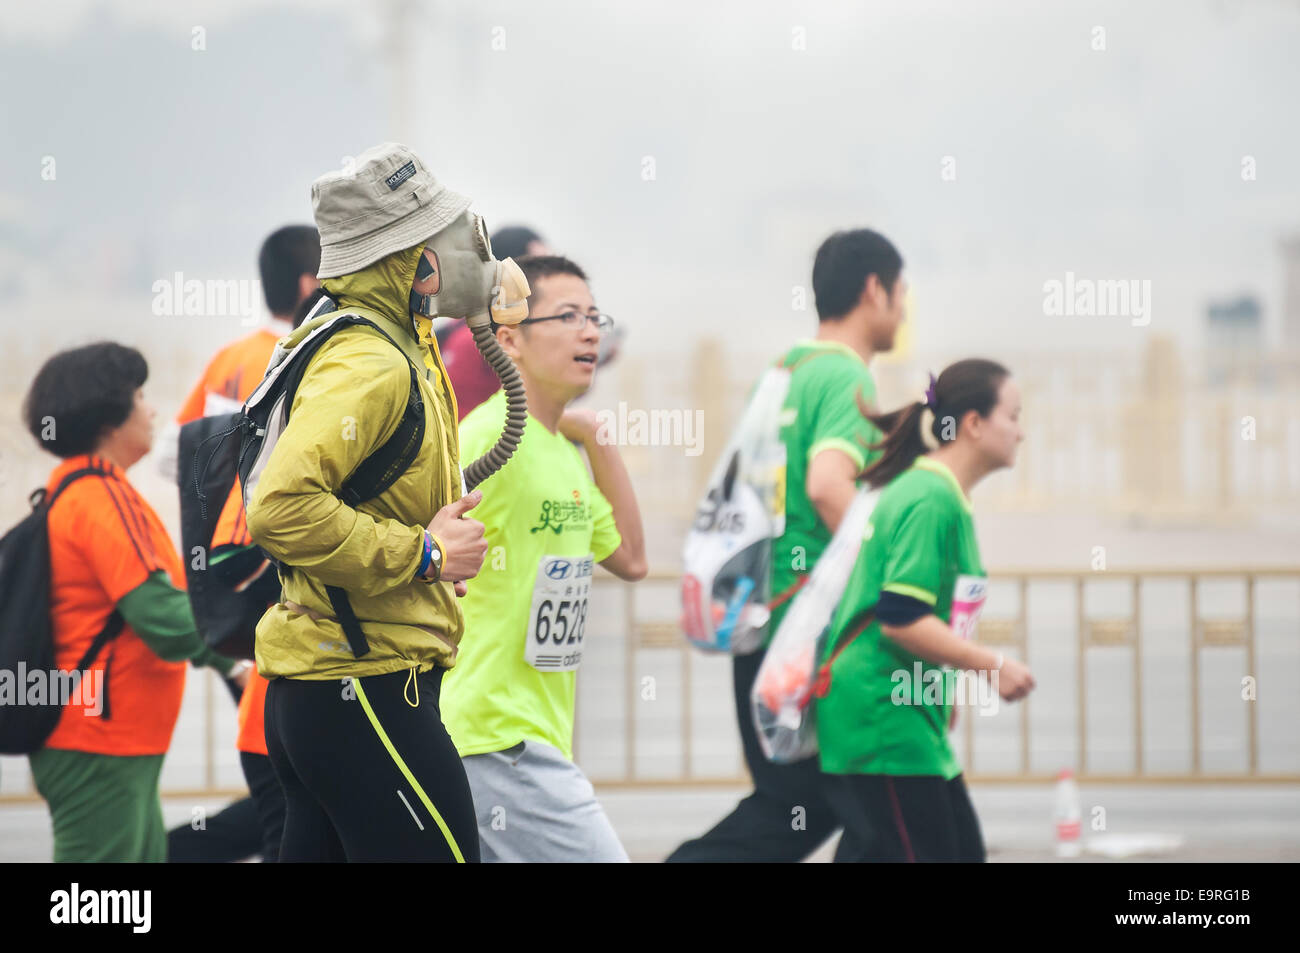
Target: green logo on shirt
pixel 558 515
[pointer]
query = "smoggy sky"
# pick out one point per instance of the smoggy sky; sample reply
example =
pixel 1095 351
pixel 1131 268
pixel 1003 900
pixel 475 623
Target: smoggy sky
pixel 769 124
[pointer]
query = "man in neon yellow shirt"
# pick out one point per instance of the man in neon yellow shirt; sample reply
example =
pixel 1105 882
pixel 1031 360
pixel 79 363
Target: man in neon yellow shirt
pixel 508 702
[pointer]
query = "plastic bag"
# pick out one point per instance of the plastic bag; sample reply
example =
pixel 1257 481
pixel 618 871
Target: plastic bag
pixel 727 556
pixel 782 694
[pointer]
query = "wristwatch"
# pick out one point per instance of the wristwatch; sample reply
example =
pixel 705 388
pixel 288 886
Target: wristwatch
pixel 434 572
pixel 435 562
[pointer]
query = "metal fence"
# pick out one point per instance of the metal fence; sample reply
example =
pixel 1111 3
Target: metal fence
pixel 1144 676
pixel 1079 621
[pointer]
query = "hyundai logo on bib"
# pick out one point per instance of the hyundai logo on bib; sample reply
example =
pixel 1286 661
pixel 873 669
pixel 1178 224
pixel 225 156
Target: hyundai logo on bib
pixel 560 568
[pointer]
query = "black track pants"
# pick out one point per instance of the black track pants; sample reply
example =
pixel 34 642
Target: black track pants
pixel 904 819
pixel 231 834
pixel 785 819
pixel 367 775
pixel 264 786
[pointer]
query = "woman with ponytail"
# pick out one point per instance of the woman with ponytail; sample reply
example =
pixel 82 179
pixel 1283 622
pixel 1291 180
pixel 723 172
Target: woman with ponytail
pixel 886 696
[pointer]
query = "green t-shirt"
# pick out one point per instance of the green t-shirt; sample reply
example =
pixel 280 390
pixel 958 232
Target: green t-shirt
pixel 878 717
pixel 831 391
pixel 546 523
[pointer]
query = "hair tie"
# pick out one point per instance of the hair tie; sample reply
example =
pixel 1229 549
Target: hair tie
pixel 931 399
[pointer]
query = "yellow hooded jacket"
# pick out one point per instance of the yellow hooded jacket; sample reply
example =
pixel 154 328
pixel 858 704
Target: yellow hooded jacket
pixel 350 401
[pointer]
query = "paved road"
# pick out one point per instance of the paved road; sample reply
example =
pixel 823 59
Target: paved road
pixel 1221 823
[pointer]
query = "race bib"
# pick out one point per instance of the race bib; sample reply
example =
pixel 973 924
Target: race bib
pixel 557 619
pixel 214 404
pixel 968 597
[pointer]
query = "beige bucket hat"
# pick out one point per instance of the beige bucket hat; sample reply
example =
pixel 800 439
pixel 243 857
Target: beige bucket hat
pixel 383 202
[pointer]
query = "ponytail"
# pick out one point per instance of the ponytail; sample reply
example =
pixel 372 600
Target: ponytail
pixel 967 385
pixel 901 445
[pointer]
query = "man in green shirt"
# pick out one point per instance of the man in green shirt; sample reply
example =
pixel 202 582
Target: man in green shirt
pixel 859 289
pixel 509 702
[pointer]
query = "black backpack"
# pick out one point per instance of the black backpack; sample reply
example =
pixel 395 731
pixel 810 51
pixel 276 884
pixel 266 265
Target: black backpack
pixel 227 617
pixel 26 635
pixel 229 586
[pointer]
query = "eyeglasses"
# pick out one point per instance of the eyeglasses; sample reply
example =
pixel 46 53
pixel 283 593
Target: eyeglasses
pixel 576 319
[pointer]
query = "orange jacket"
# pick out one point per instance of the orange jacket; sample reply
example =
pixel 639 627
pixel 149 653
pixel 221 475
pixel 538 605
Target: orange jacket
pixel 105 540
pixel 233 373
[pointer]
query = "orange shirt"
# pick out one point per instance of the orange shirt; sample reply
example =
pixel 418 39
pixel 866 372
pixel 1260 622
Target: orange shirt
pixel 252 706
pixel 234 374
pixel 232 524
pixel 104 541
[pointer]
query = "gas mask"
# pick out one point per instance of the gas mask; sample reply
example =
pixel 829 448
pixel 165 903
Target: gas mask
pixel 464 281
pixel 457 277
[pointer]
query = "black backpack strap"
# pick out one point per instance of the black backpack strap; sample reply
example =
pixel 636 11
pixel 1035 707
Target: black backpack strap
pixel 381 469
pixel 39 496
pixel 348 619
pixel 113 626
pixel 376 473
pixel 114 623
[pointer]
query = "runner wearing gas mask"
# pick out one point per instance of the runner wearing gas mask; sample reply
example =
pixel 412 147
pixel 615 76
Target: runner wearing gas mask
pixel 353 484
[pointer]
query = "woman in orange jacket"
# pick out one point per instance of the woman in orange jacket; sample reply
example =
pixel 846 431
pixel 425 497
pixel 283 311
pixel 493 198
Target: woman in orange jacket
pixel 99 769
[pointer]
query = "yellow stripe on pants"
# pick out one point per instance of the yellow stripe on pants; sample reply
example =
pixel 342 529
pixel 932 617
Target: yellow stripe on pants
pixel 406 772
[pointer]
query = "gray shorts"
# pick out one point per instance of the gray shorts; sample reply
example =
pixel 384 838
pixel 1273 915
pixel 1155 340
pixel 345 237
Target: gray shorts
pixel 535 806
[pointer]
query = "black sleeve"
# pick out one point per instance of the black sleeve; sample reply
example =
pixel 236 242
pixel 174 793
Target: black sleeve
pixel 897 610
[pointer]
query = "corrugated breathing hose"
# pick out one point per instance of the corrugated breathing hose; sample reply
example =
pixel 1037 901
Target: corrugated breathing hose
pixel 516 406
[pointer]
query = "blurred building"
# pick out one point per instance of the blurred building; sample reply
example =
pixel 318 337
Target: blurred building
pixel 1234 338
pixel 1290 248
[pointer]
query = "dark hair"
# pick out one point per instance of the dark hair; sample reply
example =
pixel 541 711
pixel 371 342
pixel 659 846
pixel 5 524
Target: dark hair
pixel 537 267
pixel 307 304
pixel 82 394
pixel 287 254
pixel 842 265
pixel 513 241
pixel 968 385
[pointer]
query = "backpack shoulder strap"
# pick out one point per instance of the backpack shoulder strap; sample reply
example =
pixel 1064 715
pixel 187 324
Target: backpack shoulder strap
pixel 822 683
pixel 40 496
pixel 377 472
pixel 381 469
pixel 114 624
